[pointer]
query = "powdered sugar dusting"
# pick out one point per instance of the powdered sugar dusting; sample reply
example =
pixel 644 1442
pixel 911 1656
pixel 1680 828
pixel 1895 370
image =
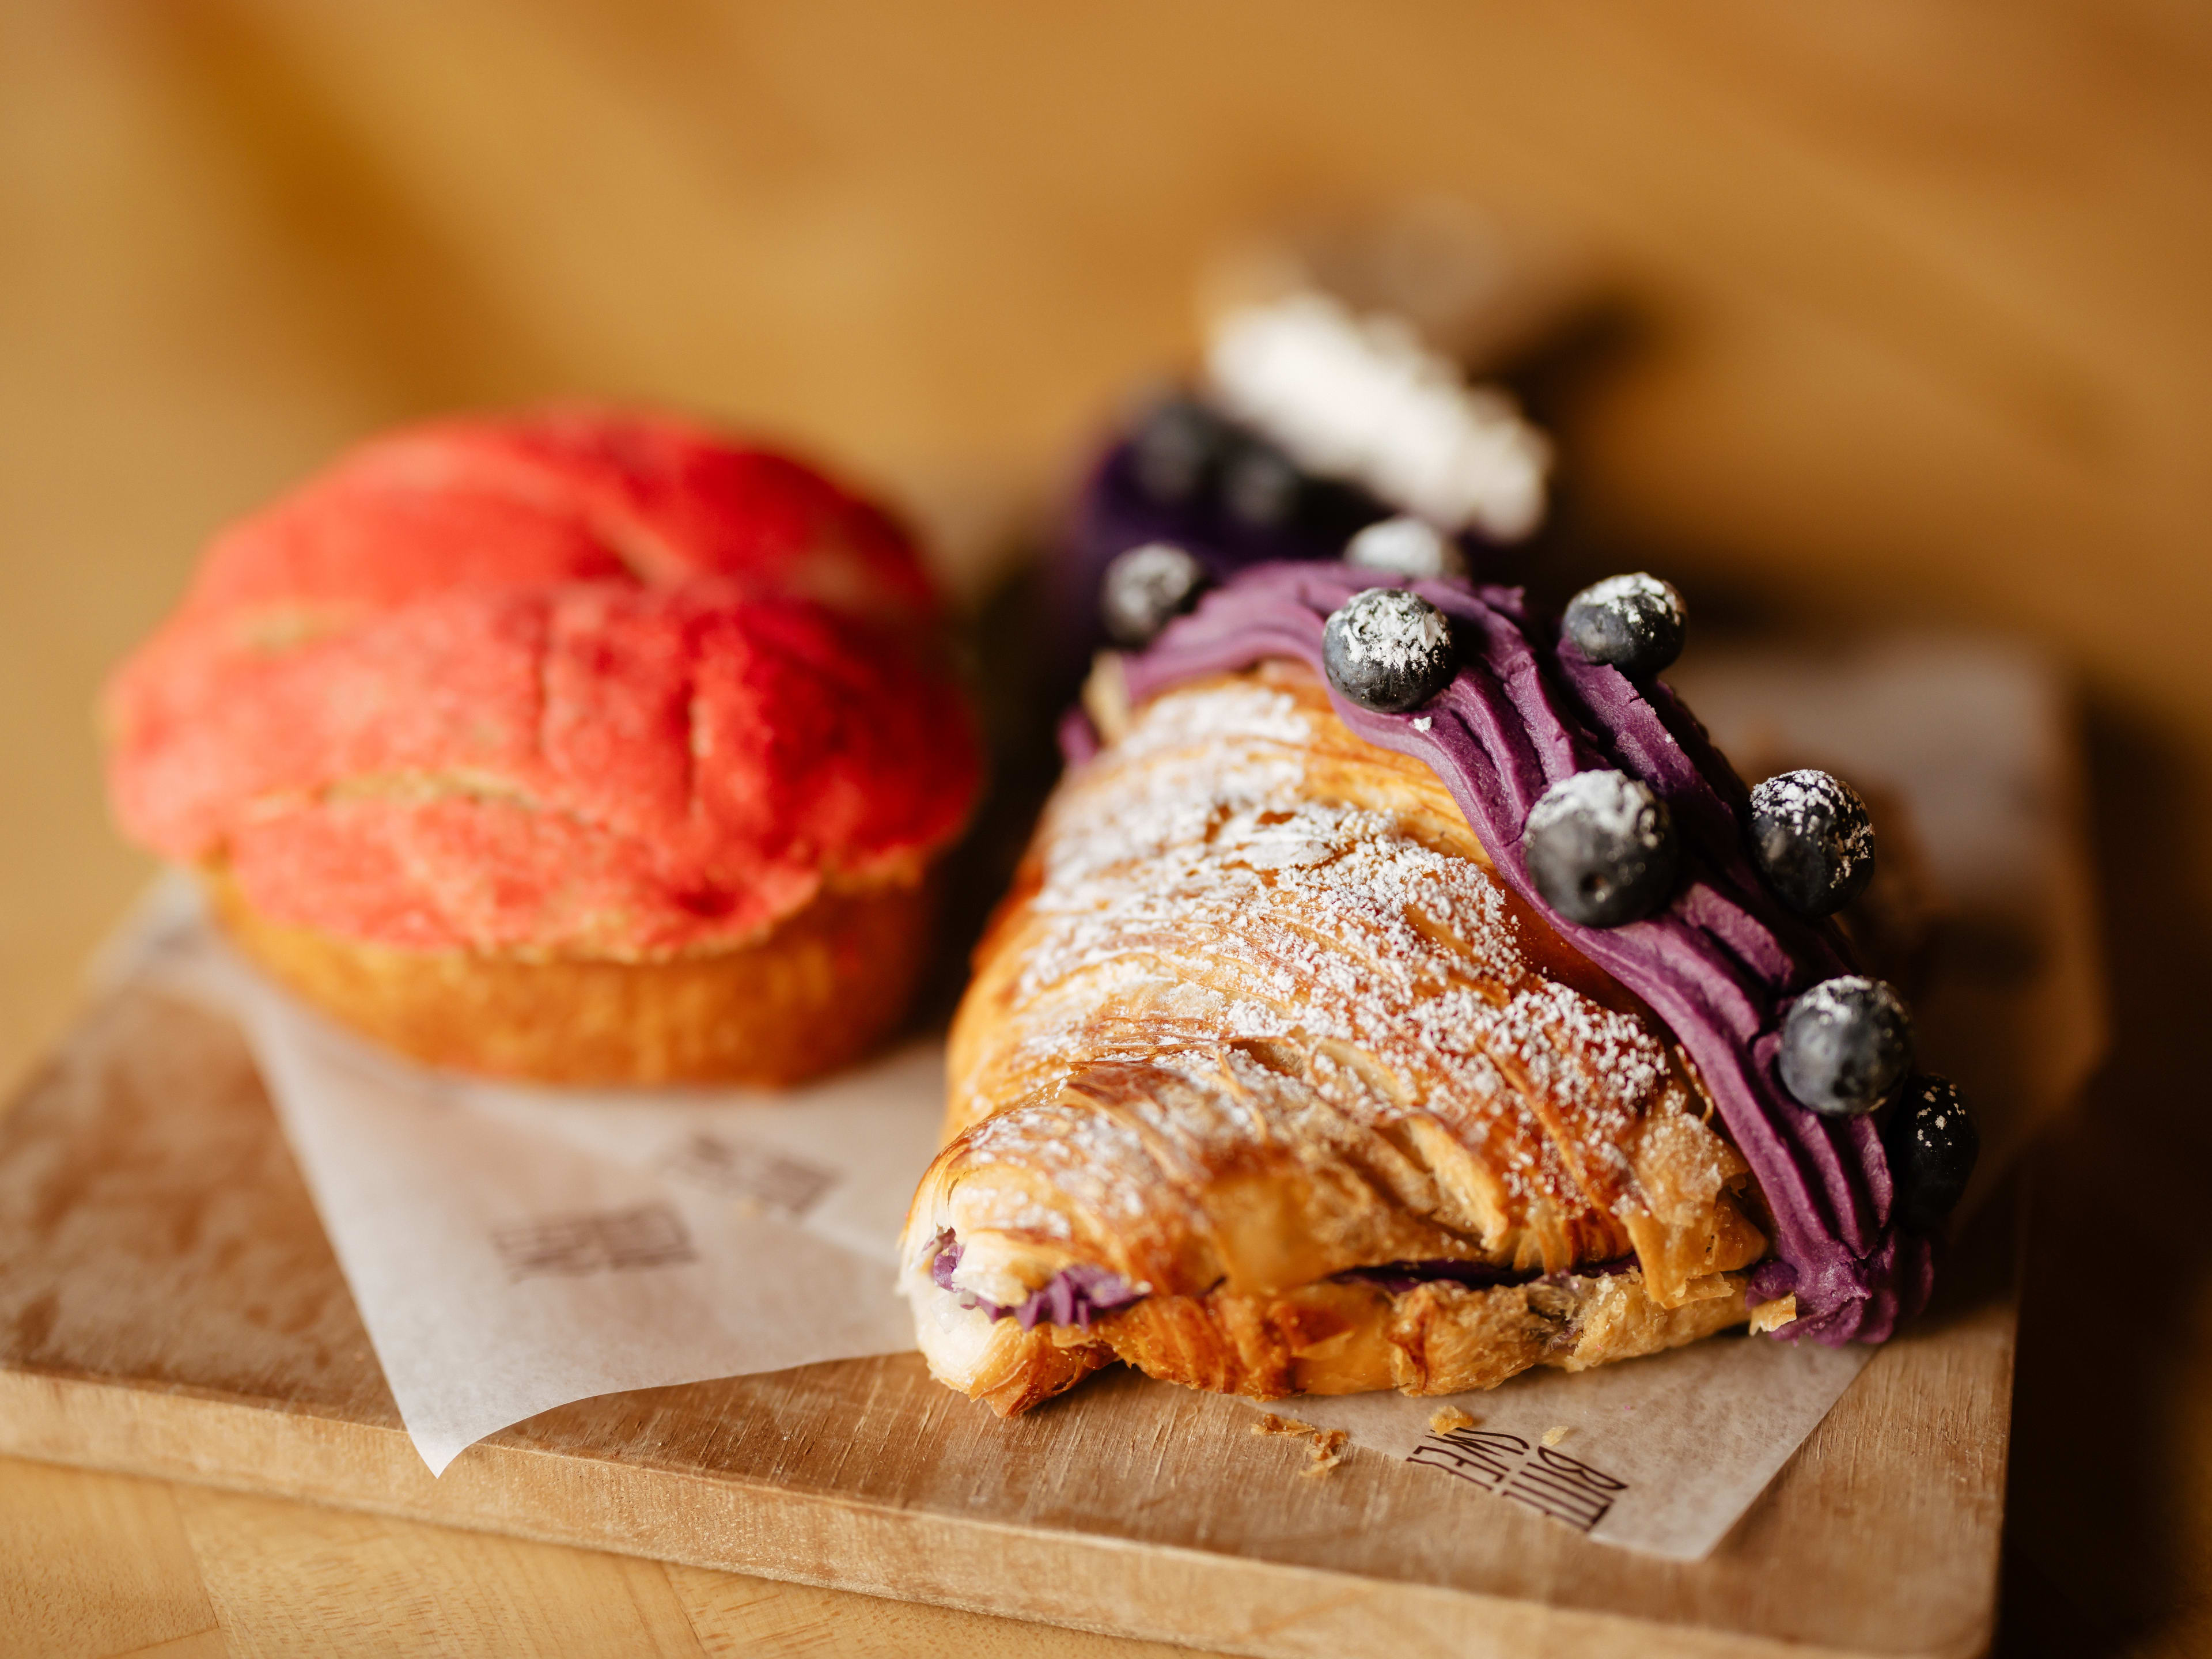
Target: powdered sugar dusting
pixel 1145 587
pixel 1612 804
pixel 1394 629
pixel 1406 546
pixel 1197 891
pixel 1636 588
pixel 1818 801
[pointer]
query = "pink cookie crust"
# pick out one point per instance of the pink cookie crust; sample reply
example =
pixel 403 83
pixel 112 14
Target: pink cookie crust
pixel 576 683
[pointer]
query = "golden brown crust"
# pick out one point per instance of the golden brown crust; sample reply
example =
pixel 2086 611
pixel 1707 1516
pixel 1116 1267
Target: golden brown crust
pixel 1331 1339
pixel 1258 1014
pixel 819 990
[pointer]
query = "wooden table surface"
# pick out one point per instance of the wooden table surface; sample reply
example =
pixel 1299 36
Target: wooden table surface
pixel 1905 315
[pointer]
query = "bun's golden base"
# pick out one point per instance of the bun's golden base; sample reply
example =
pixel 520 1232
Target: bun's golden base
pixel 821 989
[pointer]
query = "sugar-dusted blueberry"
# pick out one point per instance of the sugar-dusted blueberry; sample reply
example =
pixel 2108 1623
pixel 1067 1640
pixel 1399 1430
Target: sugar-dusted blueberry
pixel 1261 486
pixel 1846 1044
pixel 1814 839
pixel 1600 848
pixel 1175 448
pixel 1145 588
pixel 1387 650
pixel 1932 1145
pixel 1635 622
pixel 1406 546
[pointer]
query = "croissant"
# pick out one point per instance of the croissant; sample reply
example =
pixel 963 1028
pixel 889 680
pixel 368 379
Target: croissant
pixel 1270 1081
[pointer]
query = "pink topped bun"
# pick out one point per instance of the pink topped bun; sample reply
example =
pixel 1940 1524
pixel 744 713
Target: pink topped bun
pixel 578 687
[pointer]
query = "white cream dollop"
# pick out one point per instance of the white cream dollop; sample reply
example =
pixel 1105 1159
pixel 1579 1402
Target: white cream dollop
pixel 1360 398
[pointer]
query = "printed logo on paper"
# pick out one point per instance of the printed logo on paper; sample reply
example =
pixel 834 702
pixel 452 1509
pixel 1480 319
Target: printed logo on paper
pixel 774 1181
pixel 613 1241
pixel 1543 1477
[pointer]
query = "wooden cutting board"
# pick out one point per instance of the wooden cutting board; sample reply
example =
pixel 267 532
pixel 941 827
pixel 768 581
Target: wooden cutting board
pixel 169 1306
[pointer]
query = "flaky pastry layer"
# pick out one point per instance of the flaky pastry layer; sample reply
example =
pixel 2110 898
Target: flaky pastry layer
pixel 1258 1015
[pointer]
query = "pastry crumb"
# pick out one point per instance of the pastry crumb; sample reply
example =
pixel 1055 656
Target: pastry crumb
pixel 1445 1419
pixel 1327 1443
pixel 1773 1315
pixel 1327 1452
pixel 1555 1434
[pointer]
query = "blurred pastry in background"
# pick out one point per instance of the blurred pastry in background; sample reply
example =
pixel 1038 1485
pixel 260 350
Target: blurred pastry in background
pixel 1337 411
pixel 579 745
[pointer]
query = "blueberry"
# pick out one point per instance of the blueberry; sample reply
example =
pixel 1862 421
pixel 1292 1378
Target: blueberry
pixel 1175 448
pixel 1600 848
pixel 1387 650
pixel 1846 1044
pixel 1407 547
pixel 1261 486
pixel 1635 623
pixel 1145 588
pixel 1932 1143
pixel 1811 835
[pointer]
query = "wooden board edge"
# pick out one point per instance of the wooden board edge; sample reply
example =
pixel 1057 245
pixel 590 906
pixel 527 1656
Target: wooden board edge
pixel 1085 1580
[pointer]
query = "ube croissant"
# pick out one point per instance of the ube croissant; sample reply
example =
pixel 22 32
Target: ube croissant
pixel 1277 1076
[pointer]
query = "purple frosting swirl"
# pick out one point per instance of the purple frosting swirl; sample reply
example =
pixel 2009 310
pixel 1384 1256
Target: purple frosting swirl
pixel 1720 964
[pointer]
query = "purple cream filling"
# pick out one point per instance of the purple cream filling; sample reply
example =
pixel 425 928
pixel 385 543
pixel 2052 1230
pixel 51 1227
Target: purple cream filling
pixel 1070 1297
pixel 1074 1294
pixel 1399 1277
pixel 1720 965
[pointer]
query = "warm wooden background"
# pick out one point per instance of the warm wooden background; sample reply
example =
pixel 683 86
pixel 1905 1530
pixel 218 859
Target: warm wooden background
pixel 1914 317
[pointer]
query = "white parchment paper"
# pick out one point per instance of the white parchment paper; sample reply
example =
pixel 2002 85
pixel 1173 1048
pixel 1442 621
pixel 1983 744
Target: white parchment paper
pixel 512 1249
